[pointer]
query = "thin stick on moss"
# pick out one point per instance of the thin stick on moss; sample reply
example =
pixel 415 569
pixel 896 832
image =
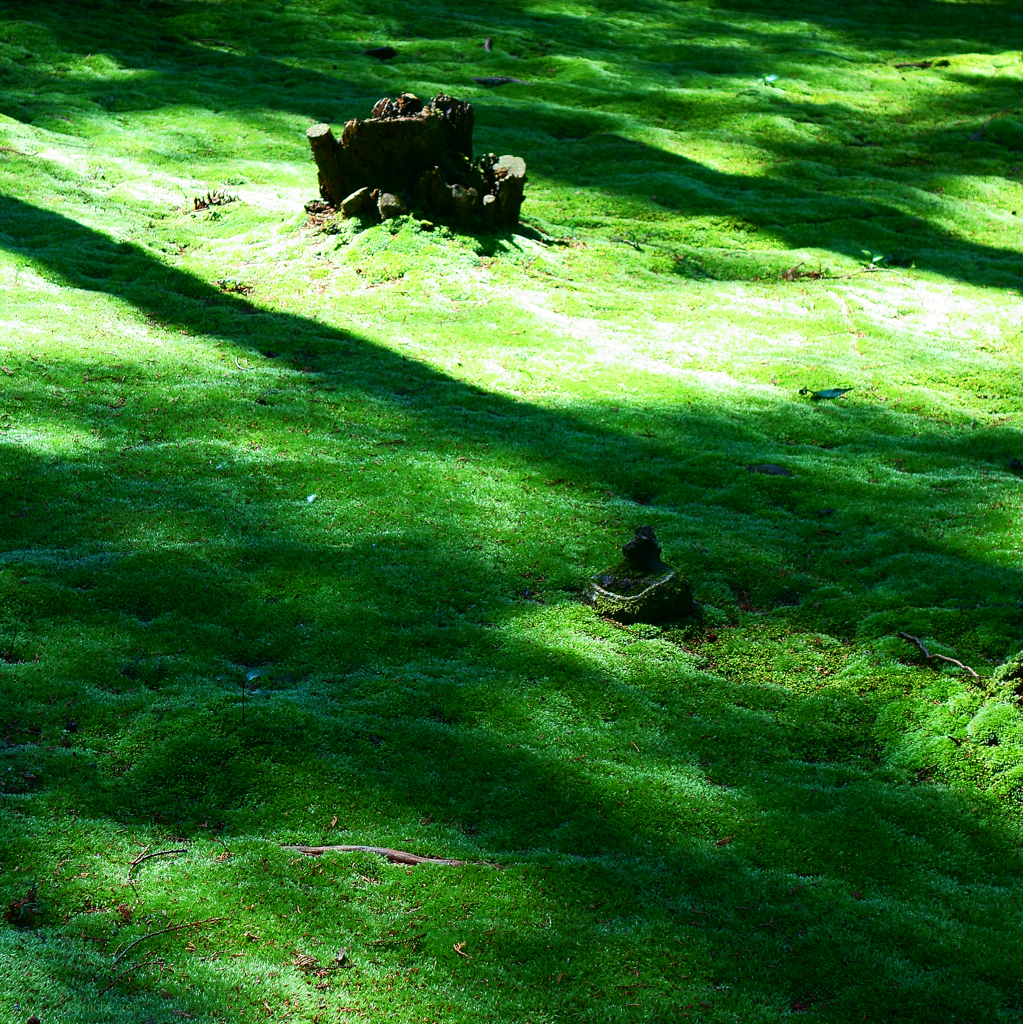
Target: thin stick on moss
pixel 146 856
pixel 130 970
pixel 163 931
pixel 941 657
pixel 979 133
pixel 394 856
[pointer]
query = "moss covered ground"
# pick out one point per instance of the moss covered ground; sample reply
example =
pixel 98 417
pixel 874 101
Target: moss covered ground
pixel 296 522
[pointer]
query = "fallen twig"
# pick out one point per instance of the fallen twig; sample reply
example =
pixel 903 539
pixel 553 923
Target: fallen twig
pixel 627 241
pixel 394 856
pixel 146 856
pixel 163 931
pixel 145 850
pixel 941 657
pixel 131 970
pixel 398 940
pixel 923 64
pixel 869 269
pixel 979 133
pixel 795 274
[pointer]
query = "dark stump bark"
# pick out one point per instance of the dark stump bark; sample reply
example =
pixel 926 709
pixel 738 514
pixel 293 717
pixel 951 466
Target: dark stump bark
pixel 325 153
pixel 421 154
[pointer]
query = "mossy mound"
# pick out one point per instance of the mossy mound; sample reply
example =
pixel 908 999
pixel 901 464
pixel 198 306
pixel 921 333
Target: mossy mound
pixel 1005 131
pixel 479 418
pixel 1009 675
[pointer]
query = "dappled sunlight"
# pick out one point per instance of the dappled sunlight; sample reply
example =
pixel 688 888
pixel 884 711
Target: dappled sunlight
pixel 299 520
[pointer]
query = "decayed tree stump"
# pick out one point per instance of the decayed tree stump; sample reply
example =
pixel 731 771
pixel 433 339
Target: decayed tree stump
pixel 324 146
pixel 414 154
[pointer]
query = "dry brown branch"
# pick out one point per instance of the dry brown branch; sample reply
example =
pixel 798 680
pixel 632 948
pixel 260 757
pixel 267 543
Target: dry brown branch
pixel 394 856
pixel 131 970
pixel 979 133
pixel 923 64
pixel 163 931
pixel 941 657
pixel 146 856
pixel 399 940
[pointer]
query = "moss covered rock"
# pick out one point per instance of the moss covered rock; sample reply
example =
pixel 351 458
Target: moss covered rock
pixel 653 599
pixel 642 588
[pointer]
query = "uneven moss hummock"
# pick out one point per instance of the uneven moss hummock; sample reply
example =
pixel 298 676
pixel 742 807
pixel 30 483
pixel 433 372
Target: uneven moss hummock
pixel 356 480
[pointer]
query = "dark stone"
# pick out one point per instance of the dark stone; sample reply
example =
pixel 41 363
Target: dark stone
pixel 490 81
pixel 644 551
pixel 381 52
pixel 643 588
pixel 769 470
pixel 391 206
pixel 359 202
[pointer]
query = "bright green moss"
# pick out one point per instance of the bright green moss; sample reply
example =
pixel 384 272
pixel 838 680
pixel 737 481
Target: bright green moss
pixel 779 809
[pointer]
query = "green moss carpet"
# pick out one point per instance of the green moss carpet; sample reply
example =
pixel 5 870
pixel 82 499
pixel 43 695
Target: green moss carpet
pixel 298 519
